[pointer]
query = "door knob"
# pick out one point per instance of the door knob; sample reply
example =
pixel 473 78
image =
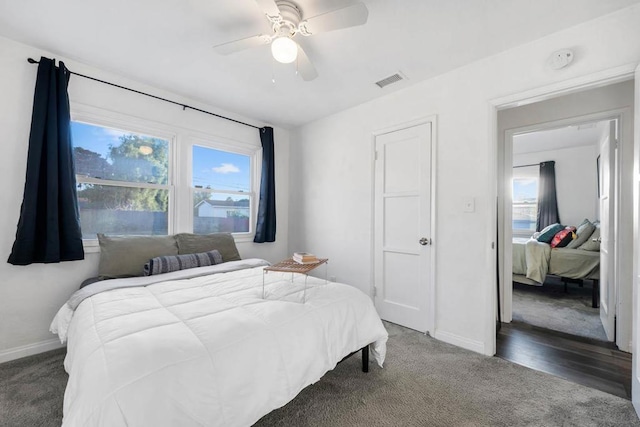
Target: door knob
pixel 424 241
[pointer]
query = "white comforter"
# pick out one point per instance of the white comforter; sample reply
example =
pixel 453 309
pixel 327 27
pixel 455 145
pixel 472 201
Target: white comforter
pixel 209 350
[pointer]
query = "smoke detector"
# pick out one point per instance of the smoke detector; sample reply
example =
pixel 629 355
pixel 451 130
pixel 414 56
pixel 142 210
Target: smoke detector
pixel 560 59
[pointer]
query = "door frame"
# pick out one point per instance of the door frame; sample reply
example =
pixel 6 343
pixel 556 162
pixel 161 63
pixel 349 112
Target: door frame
pixel 564 87
pixel 431 292
pixel 506 236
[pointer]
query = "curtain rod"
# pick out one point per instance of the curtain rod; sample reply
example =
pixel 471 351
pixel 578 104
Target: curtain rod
pixel 526 166
pixel 184 106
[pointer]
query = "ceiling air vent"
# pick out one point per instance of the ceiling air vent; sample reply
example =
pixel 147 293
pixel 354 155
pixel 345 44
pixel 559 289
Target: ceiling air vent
pixel 391 79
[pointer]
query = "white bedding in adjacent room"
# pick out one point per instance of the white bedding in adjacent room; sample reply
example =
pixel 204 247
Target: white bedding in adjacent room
pixel 208 350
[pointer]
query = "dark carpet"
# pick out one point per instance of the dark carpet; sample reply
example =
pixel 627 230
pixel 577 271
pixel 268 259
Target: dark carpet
pixel 550 307
pixel 425 382
pixel 32 390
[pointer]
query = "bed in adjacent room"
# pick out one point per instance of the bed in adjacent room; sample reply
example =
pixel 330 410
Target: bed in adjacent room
pixel 204 346
pixel 533 259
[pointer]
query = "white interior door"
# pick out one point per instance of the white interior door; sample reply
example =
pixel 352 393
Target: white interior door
pixel 402 238
pixel 635 373
pixel 607 244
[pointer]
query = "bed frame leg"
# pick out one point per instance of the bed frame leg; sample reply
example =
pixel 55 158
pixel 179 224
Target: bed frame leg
pixel 595 293
pixel 365 358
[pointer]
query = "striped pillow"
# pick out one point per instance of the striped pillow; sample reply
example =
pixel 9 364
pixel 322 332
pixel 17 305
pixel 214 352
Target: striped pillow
pixel 169 263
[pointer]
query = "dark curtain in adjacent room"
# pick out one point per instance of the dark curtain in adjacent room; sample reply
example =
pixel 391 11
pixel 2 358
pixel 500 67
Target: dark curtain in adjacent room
pixel 547 198
pixel 266 224
pixel 49 225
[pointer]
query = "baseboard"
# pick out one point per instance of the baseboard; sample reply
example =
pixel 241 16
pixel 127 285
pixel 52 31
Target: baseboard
pixel 29 350
pixel 457 340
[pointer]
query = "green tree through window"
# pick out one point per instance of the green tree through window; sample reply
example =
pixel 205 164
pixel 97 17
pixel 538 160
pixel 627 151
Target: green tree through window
pixel 123 181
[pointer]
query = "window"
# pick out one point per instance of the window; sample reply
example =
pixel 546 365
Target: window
pixel 123 181
pixel 222 191
pixel 525 199
pixel 137 177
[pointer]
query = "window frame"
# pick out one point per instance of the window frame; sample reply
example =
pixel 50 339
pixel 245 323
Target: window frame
pixel 519 232
pixel 181 141
pixel 98 117
pixel 222 144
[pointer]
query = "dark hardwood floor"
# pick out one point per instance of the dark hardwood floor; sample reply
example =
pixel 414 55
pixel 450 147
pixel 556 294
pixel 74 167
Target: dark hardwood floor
pixel 585 361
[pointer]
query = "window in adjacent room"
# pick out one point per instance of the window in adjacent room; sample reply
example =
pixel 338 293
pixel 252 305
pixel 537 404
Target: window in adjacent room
pixel 123 179
pixel 525 200
pixel 223 194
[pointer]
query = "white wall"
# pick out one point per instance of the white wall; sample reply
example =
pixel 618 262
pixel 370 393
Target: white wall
pixel 576 180
pixel 31 295
pixel 331 168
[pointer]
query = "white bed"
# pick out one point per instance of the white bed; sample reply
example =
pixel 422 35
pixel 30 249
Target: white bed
pixel 201 347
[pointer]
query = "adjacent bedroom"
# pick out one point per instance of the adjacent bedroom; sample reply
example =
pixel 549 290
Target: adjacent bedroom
pixel 565 257
pixel 556 229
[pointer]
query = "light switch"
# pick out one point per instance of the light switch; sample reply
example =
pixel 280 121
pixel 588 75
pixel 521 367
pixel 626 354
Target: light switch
pixel 469 205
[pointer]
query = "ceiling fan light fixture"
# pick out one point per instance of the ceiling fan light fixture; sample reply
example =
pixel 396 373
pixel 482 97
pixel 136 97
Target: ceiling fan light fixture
pixel 284 50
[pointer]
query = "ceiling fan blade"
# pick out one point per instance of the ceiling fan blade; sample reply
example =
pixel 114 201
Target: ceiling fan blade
pixel 242 44
pixel 305 68
pixel 269 7
pixel 349 16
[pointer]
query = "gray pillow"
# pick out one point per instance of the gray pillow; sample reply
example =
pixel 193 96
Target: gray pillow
pixel 224 243
pixel 583 232
pixel 590 245
pixel 167 264
pixel 125 256
pixel 91 281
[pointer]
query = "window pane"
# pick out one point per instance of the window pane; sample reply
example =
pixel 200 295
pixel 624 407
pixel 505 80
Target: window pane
pixel 113 154
pixel 122 210
pixel 221 170
pixel 213 213
pixel 525 203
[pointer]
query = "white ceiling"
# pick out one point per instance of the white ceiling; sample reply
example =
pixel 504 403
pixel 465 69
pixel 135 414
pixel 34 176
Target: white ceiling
pixel 168 44
pixel 587 134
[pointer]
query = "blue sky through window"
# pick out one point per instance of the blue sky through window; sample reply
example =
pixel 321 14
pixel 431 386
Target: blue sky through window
pixel 216 169
pixel 525 189
pixel 221 170
pixel 95 138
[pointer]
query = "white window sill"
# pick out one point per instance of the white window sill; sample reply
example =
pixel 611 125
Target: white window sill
pixel 91 246
pixel 523 235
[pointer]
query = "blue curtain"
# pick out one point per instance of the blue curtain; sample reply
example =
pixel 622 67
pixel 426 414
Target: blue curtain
pixel 547 199
pixel 49 225
pixel 266 224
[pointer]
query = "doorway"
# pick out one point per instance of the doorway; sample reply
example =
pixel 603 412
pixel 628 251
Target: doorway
pixel 609 102
pixel 583 108
pixel 556 280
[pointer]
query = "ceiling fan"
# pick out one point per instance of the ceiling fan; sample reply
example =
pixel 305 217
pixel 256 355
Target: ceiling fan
pixel 286 21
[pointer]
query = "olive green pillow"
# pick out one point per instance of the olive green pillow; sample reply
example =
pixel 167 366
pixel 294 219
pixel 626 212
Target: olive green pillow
pixel 590 244
pixel 584 231
pixel 224 243
pixel 125 256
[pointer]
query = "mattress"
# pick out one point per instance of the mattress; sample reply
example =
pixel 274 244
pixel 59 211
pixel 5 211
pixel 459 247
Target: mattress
pixel 206 349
